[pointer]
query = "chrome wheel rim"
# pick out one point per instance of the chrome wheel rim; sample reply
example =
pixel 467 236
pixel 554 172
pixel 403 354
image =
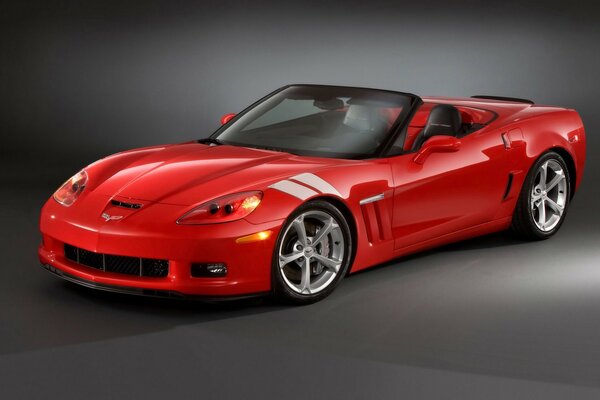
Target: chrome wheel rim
pixel 548 195
pixel 311 252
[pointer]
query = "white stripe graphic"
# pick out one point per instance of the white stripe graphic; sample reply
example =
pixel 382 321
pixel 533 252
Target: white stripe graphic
pixel 294 189
pixel 320 184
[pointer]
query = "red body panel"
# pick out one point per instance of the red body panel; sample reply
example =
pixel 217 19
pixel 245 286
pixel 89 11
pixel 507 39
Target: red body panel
pixel 449 197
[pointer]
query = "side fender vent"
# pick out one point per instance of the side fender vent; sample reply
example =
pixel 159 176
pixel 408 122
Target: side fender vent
pixel 377 219
pixel 508 186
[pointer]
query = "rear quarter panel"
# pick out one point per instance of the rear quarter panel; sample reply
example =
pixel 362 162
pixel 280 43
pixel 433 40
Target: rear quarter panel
pixel 546 128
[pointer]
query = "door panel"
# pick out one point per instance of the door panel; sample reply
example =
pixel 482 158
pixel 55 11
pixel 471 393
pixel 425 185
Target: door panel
pixel 449 191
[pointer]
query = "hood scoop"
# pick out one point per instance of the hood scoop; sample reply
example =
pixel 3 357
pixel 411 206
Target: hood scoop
pixel 124 204
pixel 120 208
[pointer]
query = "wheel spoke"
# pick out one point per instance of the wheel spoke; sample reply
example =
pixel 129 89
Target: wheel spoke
pixel 288 258
pixel 559 177
pixel 305 279
pixel 328 263
pixel 553 205
pixel 543 175
pixel 300 228
pixel 323 232
pixel 542 213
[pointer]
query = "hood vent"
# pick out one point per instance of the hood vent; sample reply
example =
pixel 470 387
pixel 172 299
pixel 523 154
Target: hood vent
pixel 134 206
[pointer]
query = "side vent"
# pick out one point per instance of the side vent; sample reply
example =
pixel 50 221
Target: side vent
pixel 377 219
pixel 508 185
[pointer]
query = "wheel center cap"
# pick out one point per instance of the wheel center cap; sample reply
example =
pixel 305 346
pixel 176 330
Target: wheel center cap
pixel 308 251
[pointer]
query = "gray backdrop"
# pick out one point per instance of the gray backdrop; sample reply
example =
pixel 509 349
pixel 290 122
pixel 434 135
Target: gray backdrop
pixel 489 318
pixel 86 80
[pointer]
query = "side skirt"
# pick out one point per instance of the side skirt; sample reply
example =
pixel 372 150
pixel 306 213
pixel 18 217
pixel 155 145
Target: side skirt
pixel 467 233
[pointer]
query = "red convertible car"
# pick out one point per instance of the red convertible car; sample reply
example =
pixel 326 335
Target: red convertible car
pixel 309 184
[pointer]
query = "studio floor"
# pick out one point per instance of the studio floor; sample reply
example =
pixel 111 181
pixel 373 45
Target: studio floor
pixel 488 318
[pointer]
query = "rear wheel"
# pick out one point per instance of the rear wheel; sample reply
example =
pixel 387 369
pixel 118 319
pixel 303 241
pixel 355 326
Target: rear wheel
pixel 544 198
pixel 312 253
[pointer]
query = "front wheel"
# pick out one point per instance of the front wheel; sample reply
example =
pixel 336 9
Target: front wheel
pixel 312 253
pixel 544 199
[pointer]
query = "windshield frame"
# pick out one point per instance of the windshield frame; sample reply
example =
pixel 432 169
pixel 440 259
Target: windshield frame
pixel 397 130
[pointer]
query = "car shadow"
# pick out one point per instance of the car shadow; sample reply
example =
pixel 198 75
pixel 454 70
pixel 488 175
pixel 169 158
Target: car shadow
pixel 60 313
pixel 168 306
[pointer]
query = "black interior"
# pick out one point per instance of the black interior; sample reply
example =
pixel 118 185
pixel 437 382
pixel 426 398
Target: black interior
pixel 444 119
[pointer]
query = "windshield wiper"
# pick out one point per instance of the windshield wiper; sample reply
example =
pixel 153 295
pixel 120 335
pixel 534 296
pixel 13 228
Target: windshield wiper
pixel 253 146
pixel 270 148
pixel 210 141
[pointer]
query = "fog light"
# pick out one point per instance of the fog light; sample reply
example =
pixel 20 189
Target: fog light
pixel 213 270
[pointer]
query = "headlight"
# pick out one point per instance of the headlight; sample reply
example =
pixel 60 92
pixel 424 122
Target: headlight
pixel 224 209
pixel 71 189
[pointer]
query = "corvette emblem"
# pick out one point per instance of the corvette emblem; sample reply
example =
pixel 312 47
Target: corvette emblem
pixel 108 217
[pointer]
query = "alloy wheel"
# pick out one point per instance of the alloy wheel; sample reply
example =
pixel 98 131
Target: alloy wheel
pixel 548 195
pixel 311 252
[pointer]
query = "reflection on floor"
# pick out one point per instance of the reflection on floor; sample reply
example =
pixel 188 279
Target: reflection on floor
pixel 491 315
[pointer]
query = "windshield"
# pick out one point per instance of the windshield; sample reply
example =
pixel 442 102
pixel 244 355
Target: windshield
pixel 322 121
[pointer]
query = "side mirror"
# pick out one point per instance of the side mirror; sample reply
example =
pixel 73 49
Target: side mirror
pixel 436 144
pixel 227 117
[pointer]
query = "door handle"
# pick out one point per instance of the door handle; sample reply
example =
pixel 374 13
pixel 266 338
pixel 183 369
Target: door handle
pixel 506 140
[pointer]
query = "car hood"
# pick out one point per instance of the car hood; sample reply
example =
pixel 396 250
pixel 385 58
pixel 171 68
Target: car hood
pixel 191 173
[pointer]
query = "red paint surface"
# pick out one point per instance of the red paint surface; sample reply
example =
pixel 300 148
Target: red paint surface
pixel 450 196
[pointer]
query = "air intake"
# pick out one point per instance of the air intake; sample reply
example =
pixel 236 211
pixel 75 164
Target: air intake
pixel 148 267
pixel 123 204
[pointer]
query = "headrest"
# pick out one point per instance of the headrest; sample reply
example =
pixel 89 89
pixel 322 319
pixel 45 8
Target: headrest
pixel 444 119
pixel 329 104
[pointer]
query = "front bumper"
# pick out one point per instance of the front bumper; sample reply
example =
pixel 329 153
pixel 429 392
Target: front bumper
pixel 138 291
pixel 248 264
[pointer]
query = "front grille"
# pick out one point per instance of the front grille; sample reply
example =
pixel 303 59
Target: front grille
pixel 148 267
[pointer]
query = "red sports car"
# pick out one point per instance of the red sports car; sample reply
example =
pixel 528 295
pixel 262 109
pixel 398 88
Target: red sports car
pixel 309 184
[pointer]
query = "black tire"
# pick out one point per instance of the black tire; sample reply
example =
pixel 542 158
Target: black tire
pixel 523 223
pixel 281 290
